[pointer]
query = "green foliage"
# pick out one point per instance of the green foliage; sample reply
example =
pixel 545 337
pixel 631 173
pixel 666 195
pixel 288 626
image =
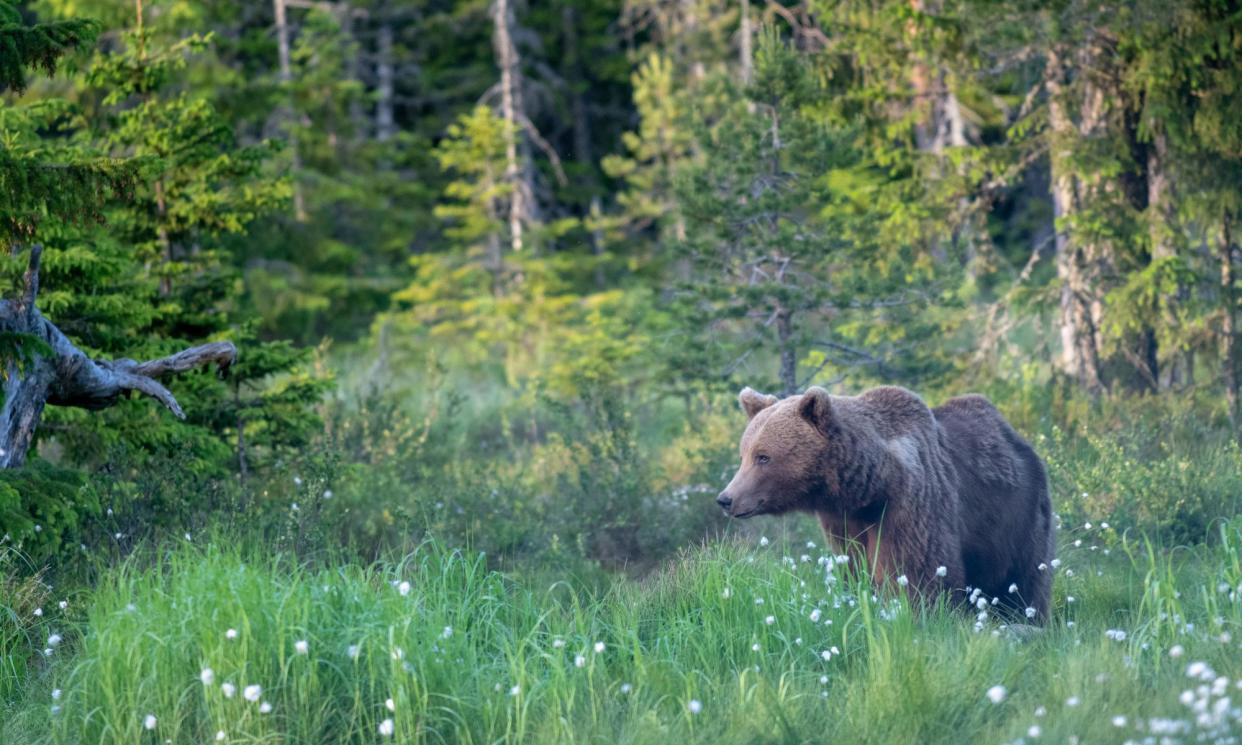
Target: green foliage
pixel 45 509
pixel 40 45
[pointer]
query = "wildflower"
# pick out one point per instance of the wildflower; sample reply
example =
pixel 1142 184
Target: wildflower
pixel 996 694
pixel 252 693
pixel 626 688
pixel 1119 721
pixel 1056 563
pixel 38 612
pixel 1041 711
pixel 1069 598
pixel 55 694
pixel 942 571
pixel 63 604
pixel 1034 731
pixel 1069 572
pixel 981 603
pixel 220 736
pixel 230 634
pixel 403 588
pixel 208 676
pixel 352 650
pixel 301 647
pixel 265 708
pixel 1176 651
pixel 815 614
pixel 754 647
pixel 762 542
pixel 228 689
pixel 390 705
pixel 1043 566
pixel 447 632
pixel 695 706
pixel 55 709
pixel 1104 526
pixel 1086 526
pixel 1072 701
pixel 1030 612
pixel 770 620
pixel 1012 589
pixel 515 690
pixel 149 721
pixel 327 493
pixel 725 593
pixel 599 647
pixel 758 601
pixel 397 653
pixel 386 728
pixel 558 643
pixel 54 640
pixel 579 661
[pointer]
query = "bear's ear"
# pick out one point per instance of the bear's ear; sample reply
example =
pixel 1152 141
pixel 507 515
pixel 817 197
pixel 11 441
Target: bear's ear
pixel 753 401
pixel 816 408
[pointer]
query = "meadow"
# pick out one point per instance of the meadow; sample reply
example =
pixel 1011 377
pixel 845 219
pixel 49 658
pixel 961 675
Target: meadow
pixel 749 633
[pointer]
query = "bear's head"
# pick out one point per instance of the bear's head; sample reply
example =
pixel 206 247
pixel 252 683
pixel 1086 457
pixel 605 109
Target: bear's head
pixel 783 454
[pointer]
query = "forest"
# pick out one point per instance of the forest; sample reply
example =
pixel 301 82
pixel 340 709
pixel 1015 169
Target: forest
pixel 370 367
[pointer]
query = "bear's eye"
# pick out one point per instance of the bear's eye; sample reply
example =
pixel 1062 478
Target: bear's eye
pixel 762 459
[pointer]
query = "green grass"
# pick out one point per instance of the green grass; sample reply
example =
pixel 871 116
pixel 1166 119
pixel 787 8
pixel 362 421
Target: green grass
pixel 507 671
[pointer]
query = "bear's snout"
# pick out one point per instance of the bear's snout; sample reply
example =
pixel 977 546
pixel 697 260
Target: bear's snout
pixel 724 500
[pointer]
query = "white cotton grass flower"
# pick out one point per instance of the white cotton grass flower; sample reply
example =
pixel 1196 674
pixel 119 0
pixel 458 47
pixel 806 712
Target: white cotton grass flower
pixel 447 632
pixel 221 736
pixel 228 689
pixel 599 647
pixel 764 541
pixel 252 693
pixel 63 604
pixel 352 650
pixel 230 634
pixel 726 593
pixel 265 708
pixel 1042 567
pixel 1030 612
pixel 386 728
pixel 56 693
pixel 1073 701
pixel 579 661
pixel 997 694
pixel 390 705
pixel 1013 589
pixel 626 688
pixel 207 675
pixel 1056 563
pixel 38 612
pixel 903 580
pixel 515 690
pixel 815 615
pixel 558 643
pixel 695 706
pixel 404 588
pixel 942 571
pixel 770 620
pixel 1176 651
pixel 1119 721
pixel 54 640
pixel 755 647
pixel 301 646
pixel 1040 712
pixel 149 721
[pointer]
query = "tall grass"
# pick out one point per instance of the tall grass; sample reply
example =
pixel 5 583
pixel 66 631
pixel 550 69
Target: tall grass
pixel 727 644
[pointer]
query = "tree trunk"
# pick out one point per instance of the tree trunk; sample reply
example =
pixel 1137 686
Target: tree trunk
pixel 1084 264
pixel 384 126
pixel 517 171
pixel 789 352
pixel 49 369
pixel 286 78
pixel 1228 326
pixel 745 46
pixel 1162 224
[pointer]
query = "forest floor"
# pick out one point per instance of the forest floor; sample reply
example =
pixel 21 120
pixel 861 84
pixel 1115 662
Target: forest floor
pixel 738 641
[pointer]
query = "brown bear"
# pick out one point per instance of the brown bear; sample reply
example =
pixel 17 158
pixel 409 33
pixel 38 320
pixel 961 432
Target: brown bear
pixel 952 498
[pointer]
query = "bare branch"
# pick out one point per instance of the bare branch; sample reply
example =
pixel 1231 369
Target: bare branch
pixel 30 281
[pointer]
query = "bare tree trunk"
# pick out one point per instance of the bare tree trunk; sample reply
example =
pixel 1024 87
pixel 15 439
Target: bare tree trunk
pixel 789 352
pixel 286 78
pixel 745 46
pixel 1228 326
pixel 517 171
pixel 52 370
pixel 1083 265
pixel 384 120
pixel 1162 222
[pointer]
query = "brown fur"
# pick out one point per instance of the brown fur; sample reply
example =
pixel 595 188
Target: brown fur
pixel 911 488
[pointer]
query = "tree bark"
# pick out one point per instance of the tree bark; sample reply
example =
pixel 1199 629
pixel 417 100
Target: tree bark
pixel 384 120
pixel 746 46
pixel 1084 264
pixel 517 170
pixel 1228 326
pixel 789 352
pixel 286 78
pixel 54 371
